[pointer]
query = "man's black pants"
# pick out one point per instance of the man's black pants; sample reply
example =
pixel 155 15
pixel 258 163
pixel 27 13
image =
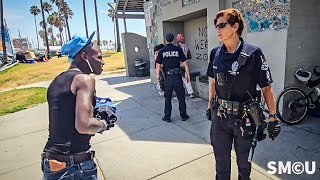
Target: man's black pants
pixel 225 132
pixel 174 82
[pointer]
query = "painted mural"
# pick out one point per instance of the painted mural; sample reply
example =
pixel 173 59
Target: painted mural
pixel 189 2
pixel 264 15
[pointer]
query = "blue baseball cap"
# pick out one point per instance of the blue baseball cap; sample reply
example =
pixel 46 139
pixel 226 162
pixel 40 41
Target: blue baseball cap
pixel 74 46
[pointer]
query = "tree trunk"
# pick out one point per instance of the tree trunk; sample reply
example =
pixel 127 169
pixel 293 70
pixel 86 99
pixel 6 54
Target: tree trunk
pixel 45 28
pixel 66 17
pixel 65 34
pixel 97 22
pixel 60 38
pixel 35 24
pixel 85 17
pixel 52 34
pixel 114 32
pixel 118 36
pixel 4 49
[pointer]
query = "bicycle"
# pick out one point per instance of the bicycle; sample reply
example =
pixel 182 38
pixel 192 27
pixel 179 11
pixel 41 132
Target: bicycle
pixel 293 103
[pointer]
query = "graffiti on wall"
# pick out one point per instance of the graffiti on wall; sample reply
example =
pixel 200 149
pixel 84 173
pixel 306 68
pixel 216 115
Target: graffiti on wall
pixel 189 2
pixel 201 44
pixel 161 3
pixel 264 15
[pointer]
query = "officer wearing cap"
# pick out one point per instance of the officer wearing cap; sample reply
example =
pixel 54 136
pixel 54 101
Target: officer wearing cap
pixel 170 57
pixel 236 68
pixel 71 98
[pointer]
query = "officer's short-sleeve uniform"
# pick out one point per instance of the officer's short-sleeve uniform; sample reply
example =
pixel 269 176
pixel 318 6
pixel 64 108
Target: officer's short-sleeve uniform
pixel 170 57
pixel 225 130
pixel 255 72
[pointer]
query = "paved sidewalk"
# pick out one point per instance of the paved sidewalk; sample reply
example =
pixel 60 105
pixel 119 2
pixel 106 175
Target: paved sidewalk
pixel 142 146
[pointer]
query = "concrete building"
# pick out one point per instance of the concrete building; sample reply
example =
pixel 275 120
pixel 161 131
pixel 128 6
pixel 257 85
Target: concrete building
pixel 285 30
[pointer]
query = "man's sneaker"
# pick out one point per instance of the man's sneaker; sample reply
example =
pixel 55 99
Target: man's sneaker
pixel 166 120
pixel 192 96
pixel 185 118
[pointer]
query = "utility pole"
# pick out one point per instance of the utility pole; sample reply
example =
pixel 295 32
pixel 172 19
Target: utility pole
pixel 4 49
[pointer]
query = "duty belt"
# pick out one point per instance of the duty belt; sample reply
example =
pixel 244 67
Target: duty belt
pixel 231 107
pixel 173 71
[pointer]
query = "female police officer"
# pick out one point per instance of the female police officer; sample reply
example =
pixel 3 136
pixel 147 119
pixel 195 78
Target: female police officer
pixel 236 68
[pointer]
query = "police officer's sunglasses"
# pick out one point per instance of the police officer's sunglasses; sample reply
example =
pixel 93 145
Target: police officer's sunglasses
pixel 221 25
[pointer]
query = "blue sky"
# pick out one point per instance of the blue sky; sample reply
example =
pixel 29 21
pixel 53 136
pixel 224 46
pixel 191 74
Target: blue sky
pixel 17 15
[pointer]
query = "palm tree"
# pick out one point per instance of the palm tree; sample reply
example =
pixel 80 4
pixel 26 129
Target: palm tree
pixel 47 7
pixel 67 13
pixel 97 21
pixel 50 32
pixel 35 11
pixel 45 28
pixel 59 23
pixel 43 24
pixel 112 15
pixel 85 16
pixel 52 20
pixel 42 35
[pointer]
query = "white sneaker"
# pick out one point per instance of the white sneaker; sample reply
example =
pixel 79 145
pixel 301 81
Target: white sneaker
pixel 192 96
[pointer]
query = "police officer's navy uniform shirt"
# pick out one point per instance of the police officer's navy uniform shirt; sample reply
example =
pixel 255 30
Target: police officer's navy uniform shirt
pixel 255 72
pixel 170 56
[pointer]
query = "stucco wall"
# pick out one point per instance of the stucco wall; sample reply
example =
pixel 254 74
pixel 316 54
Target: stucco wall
pixel 163 16
pixel 303 39
pixel 196 39
pixel 130 41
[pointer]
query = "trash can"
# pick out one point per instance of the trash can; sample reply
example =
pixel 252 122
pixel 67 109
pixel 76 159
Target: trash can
pixel 140 68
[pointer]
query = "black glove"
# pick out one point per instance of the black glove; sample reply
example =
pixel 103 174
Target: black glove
pixel 273 129
pixel 208 114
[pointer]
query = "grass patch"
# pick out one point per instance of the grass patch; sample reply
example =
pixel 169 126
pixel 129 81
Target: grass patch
pixel 19 99
pixel 23 74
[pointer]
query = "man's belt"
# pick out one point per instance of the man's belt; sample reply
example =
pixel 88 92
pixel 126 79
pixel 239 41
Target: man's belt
pixel 173 71
pixel 67 158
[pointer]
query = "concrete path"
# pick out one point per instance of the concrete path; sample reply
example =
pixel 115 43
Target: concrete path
pixel 142 146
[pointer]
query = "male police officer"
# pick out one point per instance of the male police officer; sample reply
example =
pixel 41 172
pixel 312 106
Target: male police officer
pixel 236 68
pixel 170 57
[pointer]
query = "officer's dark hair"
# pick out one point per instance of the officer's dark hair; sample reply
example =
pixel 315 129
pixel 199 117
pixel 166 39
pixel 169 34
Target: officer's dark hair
pixel 233 16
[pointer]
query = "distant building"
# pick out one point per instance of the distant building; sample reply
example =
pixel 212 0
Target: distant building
pixel 21 43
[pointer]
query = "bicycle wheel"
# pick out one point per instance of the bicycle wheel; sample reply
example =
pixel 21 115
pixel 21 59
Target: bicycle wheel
pixel 292 106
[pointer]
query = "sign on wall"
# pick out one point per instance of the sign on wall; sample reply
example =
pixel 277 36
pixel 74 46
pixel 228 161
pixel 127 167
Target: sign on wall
pixel 264 15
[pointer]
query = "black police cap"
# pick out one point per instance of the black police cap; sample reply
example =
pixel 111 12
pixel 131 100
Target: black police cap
pixel 169 37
